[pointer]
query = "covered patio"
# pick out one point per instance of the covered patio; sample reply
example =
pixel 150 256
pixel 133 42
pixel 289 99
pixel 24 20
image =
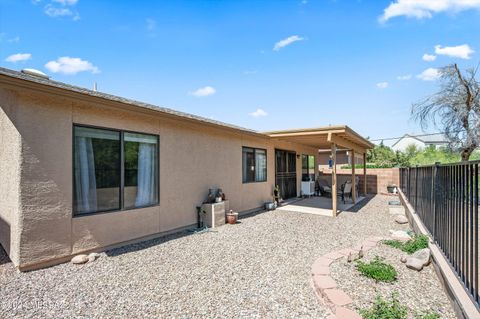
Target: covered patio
pixel 332 138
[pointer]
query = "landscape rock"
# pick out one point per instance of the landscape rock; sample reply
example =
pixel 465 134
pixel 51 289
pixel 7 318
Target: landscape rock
pixel 419 259
pixel 93 256
pixel 79 259
pixel 403 259
pixel 401 219
pixel 414 263
pixel 400 235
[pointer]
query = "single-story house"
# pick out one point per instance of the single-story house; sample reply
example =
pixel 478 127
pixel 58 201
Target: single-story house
pixel 420 141
pixel 84 171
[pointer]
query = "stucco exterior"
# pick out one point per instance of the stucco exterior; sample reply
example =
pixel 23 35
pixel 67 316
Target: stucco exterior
pixel 10 155
pixel 37 224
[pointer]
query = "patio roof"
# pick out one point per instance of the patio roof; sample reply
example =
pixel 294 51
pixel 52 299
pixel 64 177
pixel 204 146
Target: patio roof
pixel 324 137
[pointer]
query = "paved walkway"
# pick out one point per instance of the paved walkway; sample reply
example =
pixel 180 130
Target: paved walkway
pixel 259 268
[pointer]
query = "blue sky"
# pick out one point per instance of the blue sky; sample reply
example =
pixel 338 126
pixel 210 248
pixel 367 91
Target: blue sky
pixel 263 65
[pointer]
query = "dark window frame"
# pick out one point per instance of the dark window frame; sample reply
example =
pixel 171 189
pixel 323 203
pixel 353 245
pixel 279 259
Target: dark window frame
pixel 254 149
pixel 122 171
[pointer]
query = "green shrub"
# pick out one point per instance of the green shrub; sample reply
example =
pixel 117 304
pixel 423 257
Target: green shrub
pixel 411 246
pixel 394 243
pixel 385 309
pixel 377 269
pixel 430 315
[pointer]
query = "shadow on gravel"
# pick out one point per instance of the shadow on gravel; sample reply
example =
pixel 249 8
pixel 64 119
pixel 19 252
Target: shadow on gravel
pixel 359 206
pixel 147 243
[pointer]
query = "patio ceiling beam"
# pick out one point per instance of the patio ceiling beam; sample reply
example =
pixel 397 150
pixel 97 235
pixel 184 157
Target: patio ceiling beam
pixel 335 139
pixel 290 134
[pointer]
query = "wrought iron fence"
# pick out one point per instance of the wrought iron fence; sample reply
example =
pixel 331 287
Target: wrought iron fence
pixel 445 197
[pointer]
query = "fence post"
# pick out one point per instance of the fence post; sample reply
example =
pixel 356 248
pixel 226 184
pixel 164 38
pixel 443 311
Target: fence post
pixel 416 189
pixel 434 199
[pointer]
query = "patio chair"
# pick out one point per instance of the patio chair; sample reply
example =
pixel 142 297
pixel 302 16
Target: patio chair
pixel 323 187
pixel 346 190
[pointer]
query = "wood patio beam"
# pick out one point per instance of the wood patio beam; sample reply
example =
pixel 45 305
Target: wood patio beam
pixel 305 133
pixel 334 179
pixel 332 138
pixel 354 182
pixel 365 174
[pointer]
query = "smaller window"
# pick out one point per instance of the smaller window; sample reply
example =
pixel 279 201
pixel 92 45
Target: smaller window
pixel 254 165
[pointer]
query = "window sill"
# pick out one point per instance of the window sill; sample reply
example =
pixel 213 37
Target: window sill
pixel 254 182
pixel 114 211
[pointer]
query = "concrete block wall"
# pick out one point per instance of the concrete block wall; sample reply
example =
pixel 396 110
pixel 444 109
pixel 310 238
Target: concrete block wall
pixel 377 178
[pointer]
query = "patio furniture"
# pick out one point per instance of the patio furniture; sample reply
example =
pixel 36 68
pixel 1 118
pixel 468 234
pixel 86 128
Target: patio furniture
pixel 323 187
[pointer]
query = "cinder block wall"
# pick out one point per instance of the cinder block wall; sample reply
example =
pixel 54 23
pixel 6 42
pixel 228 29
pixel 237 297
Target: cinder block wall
pixel 377 178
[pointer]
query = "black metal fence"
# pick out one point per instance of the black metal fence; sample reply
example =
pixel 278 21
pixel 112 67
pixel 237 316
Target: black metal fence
pixel 445 197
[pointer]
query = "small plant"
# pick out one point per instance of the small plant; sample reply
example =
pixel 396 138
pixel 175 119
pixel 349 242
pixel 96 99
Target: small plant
pixel 393 243
pixel 430 315
pixel 385 309
pixel 377 269
pixel 411 246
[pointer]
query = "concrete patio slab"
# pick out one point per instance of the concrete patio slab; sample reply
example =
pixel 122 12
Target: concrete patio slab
pixel 321 206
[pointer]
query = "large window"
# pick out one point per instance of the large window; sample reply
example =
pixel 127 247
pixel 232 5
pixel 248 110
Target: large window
pixel 114 170
pixel 254 165
pixel 308 168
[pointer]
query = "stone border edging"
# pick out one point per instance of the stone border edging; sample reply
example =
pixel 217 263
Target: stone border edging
pixel 325 287
pixel 462 304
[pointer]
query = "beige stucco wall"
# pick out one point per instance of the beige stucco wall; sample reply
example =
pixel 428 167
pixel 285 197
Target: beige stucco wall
pixel 193 158
pixel 10 149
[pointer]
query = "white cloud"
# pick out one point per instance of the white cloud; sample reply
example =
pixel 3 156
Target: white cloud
pixel 463 51
pixel 151 24
pixel 382 85
pixel 66 2
pixel 57 12
pixel 429 57
pixel 202 92
pixel 258 113
pixel 430 74
pixel 287 41
pixel 68 65
pixel 421 9
pixel 18 57
pixel 249 72
pixel 14 40
pixel 59 8
pixel 405 77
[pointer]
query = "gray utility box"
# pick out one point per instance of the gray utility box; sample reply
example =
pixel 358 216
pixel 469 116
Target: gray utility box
pixel 215 213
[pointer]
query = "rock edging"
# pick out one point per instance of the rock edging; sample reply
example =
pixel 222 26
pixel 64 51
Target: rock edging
pixel 325 287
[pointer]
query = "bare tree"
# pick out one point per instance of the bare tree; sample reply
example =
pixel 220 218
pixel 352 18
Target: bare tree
pixel 455 109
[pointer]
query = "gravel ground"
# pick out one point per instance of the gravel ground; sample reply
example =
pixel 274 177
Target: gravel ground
pixel 257 268
pixel 420 291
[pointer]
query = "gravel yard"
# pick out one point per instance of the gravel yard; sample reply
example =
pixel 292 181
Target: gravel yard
pixel 258 268
pixel 420 291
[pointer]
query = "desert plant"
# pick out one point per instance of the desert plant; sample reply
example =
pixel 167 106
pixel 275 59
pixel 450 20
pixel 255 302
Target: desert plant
pixel 429 315
pixel 385 309
pixel 416 243
pixel 377 269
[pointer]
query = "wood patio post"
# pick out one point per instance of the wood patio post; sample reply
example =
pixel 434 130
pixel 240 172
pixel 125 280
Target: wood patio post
pixel 334 179
pixel 354 182
pixel 365 174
